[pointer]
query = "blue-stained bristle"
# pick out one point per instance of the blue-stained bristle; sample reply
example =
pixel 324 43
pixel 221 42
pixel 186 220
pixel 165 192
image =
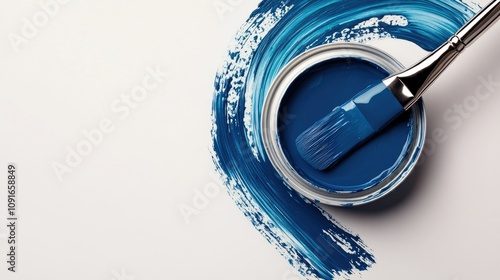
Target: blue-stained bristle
pixel 330 138
pixel 347 126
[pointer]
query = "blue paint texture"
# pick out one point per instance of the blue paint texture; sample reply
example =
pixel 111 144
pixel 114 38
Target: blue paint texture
pixel 312 96
pixel 277 31
pixel 378 96
pixel 350 124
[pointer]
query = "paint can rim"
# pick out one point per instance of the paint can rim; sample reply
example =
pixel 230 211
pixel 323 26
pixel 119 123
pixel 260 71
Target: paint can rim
pixel 270 131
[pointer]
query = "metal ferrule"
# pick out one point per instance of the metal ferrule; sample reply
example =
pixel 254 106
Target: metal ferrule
pixel 410 84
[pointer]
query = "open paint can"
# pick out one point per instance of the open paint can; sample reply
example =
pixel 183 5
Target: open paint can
pixel 311 86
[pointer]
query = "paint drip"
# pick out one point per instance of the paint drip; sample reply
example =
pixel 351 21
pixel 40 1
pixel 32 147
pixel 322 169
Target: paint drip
pixel 310 239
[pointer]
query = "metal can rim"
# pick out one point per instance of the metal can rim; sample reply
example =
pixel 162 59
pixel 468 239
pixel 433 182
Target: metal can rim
pixel 270 114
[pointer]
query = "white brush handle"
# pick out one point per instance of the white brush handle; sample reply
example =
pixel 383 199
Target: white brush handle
pixel 410 84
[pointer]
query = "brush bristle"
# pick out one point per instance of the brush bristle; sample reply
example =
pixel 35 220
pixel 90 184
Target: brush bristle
pixel 347 126
pixel 325 142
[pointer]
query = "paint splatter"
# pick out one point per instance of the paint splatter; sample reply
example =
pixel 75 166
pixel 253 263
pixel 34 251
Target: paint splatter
pixel 277 31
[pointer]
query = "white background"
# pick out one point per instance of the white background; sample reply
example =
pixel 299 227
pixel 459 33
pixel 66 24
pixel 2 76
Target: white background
pixel 116 214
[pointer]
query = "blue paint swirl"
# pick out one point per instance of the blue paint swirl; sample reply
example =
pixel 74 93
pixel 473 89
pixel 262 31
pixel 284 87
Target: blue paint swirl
pixel 277 31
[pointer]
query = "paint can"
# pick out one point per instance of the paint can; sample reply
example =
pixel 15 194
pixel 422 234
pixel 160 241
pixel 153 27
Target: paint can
pixel 370 172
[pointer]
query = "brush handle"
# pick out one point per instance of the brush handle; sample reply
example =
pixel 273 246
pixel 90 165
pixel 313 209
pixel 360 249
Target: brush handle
pixel 479 23
pixel 410 84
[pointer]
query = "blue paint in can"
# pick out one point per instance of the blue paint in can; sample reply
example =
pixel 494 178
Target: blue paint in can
pixel 312 96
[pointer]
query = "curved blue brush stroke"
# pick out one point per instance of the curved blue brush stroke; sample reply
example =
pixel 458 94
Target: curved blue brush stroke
pixel 277 31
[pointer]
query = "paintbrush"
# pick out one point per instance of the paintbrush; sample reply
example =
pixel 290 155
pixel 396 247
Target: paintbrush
pixel 369 111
